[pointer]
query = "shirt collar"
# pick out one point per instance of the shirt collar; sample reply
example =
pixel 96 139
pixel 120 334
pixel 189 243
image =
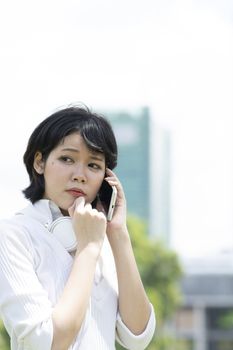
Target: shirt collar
pixel 44 210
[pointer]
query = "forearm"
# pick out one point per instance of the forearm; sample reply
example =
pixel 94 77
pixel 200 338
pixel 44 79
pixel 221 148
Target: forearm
pixel 133 302
pixel 70 310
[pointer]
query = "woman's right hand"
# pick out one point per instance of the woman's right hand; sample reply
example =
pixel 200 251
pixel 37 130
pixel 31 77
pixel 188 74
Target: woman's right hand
pixel 69 312
pixel 89 225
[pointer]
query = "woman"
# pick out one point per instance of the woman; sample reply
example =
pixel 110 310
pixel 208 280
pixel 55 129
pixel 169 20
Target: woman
pixel 86 297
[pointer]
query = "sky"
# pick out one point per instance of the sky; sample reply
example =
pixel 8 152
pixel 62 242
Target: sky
pixel 176 57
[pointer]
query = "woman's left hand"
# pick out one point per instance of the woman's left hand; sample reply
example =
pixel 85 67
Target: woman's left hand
pixel 118 221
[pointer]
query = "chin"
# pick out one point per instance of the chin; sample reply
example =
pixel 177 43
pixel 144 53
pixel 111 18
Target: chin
pixel 64 208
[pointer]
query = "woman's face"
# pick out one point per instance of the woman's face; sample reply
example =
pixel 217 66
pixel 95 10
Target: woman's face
pixel 72 170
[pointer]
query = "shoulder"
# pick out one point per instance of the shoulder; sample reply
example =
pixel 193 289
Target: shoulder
pixel 9 225
pixel 24 221
pixel 13 233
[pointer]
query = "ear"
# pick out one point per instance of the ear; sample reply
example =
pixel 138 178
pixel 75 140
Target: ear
pixel 38 163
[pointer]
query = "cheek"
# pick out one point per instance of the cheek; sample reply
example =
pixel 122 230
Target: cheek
pixel 97 182
pixel 55 166
pixel 54 172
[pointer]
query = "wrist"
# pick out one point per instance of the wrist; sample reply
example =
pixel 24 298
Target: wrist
pixel 119 237
pixel 91 251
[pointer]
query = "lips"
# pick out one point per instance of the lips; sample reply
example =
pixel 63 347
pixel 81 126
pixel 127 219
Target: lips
pixel 75 192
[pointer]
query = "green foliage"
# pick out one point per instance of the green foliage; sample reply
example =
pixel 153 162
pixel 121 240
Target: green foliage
pixel 159 268
pixel 224 345
pixel 167 343
pixel 4 338
pixel 225 321
pixel 160 272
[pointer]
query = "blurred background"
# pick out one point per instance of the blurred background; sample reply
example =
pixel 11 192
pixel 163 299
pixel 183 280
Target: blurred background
pixel 162 72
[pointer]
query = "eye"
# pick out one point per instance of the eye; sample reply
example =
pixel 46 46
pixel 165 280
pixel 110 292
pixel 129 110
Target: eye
pixel 66 159
pixel 94 166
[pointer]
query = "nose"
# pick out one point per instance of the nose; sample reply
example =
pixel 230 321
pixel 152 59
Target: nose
pixel 79 174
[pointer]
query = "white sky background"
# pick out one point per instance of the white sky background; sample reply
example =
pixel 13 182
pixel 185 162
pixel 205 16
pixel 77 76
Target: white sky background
pixel 174 56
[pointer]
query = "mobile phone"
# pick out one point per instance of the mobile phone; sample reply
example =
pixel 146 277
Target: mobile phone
pixel 107 196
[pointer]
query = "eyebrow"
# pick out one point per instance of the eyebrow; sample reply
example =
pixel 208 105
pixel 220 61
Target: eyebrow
pixel 93 154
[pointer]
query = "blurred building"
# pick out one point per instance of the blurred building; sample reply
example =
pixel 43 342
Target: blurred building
pixel 133 137
pixel 205 320
pixel 144 167
pixel 160 202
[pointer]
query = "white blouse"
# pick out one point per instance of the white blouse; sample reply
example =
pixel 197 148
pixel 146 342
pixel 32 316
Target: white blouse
pixel 34 268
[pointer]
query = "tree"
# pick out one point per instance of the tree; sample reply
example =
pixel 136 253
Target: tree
pixel 161 271
pixel 225 321
pixel 4 338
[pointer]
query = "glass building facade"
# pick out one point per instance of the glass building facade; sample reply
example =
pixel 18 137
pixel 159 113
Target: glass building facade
pixel 133 137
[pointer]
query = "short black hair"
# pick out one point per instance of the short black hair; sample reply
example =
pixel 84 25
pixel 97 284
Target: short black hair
pixel 95 129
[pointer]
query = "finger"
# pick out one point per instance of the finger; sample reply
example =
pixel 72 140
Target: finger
pixel 111 176
pixel 88 207
pixel 109 172
pixel 99 214
pixel 72 209
pixel 79 203
pixel 112 181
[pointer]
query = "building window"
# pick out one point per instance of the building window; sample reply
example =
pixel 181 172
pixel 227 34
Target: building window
pixel 220 328
pixel 220 318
